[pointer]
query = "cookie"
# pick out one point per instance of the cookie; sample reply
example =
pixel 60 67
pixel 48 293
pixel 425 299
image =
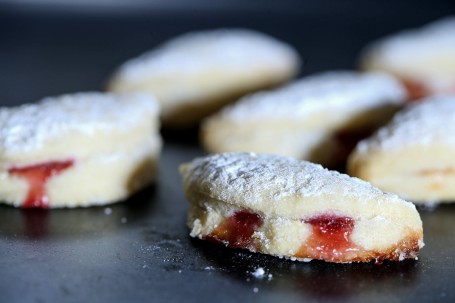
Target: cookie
pixel 195 74
pixel 414 155
pixel 78 150
pixel 423 58
pixel 296 209
pixel 318 118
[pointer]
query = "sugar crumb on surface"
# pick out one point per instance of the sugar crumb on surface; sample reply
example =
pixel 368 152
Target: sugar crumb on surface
pixel 259 273
pixel 108 211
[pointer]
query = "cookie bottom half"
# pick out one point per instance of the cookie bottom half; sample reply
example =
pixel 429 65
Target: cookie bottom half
pixel 325 235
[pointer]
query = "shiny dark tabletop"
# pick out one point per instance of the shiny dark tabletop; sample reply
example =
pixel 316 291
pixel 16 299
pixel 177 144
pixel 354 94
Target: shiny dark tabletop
pixel 139 250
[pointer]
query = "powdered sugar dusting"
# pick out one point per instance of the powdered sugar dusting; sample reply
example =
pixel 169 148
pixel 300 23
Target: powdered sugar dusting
pixel 343 91
pixel 27 127
pixel 230 49
pixel 425 123
pixel 251 176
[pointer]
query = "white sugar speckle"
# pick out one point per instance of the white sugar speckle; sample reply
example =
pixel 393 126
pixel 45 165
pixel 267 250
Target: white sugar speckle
pixel 144 266
pixel 259 273
pixel 123 220
pixel 255 290
pixel 180 271
pixel 108 211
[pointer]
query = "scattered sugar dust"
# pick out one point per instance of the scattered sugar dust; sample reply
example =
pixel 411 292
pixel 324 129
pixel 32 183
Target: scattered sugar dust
pixel 260 273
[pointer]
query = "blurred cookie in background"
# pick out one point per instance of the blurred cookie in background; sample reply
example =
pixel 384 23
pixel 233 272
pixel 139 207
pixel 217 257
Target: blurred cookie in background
pixel 79 149
pixel 413 156
pixel 319 118
pixel 423 59
pixel 197 73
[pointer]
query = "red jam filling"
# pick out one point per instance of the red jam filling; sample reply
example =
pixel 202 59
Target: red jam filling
pixel 415 89
pixel 330 239
pixel 36 177
pixel 237 230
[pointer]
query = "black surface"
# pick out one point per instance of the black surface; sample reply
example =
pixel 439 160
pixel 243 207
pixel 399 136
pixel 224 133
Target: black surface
pixel 86 255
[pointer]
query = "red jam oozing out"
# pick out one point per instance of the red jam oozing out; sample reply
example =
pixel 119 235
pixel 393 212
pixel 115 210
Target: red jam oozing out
pixel 36 177
pixel 330 239
pixel 415 89
pixel 237 230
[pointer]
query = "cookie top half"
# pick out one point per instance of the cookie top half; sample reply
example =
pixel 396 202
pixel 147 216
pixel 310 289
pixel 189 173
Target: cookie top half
pixel 337 93
pixel 284 187
pixel 221 49
pixel 75 123
pixel 426 53
pixel 424 124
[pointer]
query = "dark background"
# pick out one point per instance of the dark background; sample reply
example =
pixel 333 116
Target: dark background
pixel 49 48
pixel 52 49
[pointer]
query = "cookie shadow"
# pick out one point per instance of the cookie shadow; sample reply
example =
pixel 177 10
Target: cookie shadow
pixel 316 279
pixel 69 223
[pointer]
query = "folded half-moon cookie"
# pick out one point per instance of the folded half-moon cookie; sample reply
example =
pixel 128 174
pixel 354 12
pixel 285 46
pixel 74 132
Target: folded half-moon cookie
pixel 197 73
pixel 78 150
pixel 296 209
pixel 414 155
pixel 318 118
pixel 423 59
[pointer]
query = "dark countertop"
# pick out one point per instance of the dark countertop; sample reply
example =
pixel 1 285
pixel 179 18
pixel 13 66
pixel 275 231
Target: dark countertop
pixel 141 251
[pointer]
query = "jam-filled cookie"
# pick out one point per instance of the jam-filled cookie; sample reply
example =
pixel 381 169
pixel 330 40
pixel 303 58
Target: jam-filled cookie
pixel 414 155
pixel 296 209
pixel 195 74
pixel 318 118
pixel 424 58
pixel 78 150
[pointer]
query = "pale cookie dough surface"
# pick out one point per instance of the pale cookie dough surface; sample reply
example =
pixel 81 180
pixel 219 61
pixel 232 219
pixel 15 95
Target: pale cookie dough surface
pixel 412 156
pixel 109 145
pixel 423 56
pixel 304 119
pixel 277 203
pixel 195 74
